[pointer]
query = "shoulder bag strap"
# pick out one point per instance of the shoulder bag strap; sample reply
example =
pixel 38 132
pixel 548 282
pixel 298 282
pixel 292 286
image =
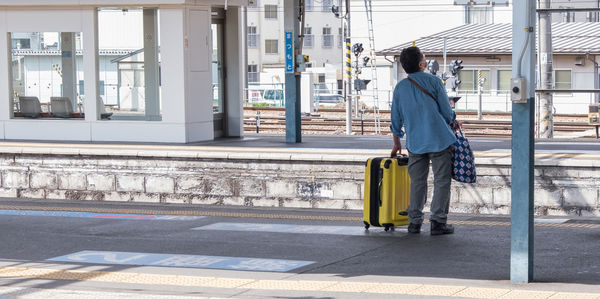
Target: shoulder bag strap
pixel 429 94
pixel 423 89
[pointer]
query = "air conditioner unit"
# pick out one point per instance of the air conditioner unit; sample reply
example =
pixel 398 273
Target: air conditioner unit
pixel 580 61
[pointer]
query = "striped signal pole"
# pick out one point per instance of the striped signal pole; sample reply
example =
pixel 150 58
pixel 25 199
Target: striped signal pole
pixel 348 66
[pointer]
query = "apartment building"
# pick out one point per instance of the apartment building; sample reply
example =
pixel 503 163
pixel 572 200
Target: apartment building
pixel 265 27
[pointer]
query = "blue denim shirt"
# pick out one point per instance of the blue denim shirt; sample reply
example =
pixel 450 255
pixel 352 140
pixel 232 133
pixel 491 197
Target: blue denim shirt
pixel 425 123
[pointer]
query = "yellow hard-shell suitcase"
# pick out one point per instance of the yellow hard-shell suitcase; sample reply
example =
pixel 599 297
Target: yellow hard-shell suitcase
pixel 387 192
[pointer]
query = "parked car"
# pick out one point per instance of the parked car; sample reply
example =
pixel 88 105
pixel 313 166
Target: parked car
pixel 329 99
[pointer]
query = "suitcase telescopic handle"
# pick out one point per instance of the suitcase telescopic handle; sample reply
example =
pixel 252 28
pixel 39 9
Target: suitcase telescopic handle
pixel 379 183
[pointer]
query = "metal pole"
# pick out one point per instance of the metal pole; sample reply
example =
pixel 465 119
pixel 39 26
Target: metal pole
pixel 479 95
pixel 293 132
pixel 596 81
pixel 348 73
pixel 362 121
pixel 523 60
pixel 257 121
pixel 546 103
pixel 445 65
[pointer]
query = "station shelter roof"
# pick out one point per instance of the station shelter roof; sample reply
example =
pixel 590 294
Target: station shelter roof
pixel 496 39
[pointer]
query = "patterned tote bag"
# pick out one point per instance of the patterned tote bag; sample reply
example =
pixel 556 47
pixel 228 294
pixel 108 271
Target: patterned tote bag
pixel 463 161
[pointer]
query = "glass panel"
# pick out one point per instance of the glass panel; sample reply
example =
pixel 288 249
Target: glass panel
pixel 327 38
pixel 308 37
pixel 467 81
pixel 504 80
pixel 562 79
pixel 217 67
pixel 270 11
pixel 327 5
pixel 46 70
pixel 253 73
pixel 252 37
pixel 270 46
pixel 309 5
pixel 124 93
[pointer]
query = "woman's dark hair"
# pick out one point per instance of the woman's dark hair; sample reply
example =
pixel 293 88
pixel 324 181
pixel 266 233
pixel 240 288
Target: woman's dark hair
pixel 410 58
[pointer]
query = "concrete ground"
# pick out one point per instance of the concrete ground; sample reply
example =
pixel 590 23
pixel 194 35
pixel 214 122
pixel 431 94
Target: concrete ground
pixel 347 261
pixel 331 142
pixel 479 144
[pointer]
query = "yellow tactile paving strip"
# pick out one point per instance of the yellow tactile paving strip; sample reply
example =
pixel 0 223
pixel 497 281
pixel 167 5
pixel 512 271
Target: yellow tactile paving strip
pixel 268 216
pixel 284 285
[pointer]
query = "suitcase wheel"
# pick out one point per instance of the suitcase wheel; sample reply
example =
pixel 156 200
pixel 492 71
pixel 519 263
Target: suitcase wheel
pixel 367 225
pixel 387 227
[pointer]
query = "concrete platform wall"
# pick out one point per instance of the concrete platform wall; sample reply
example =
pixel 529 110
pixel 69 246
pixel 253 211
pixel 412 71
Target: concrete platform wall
pixel 299 180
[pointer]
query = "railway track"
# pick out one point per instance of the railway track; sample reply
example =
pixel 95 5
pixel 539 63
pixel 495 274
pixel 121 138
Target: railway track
pixel 332 121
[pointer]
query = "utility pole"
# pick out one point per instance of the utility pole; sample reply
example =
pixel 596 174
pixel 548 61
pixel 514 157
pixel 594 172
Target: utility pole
pixel 348 64
pixel 546 103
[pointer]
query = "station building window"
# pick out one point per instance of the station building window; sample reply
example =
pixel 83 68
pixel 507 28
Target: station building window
pixel 271 12
pixel 271 46
pixel 327 37
pixel 309 5
pixel 327 5
pixel 562 79
pixel 504 80
pixel 469 81
pixel 309 38
pixel 46 67
pixel 129 62
pixel 253 75
pixel 21 43
pixel 479 14
pixel 252 37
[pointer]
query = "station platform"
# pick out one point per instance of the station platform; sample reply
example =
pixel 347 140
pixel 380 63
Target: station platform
pixel 323 172
pixel 66 249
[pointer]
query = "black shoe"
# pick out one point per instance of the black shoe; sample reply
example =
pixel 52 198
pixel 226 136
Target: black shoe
pixel 414 228
pixel 438 228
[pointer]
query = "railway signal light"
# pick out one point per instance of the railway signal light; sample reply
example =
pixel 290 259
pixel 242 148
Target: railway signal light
pixel 455 66
pixel 335 10
pixel 433 66
pixel 357 49
pixel 360 84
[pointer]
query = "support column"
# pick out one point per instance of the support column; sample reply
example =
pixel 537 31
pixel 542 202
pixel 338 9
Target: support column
pixel 151 69
pixel 546 101
pixel 6 82
pixel 235 70
pixel 68 67
pixel 523 64
pixel 91 105
pixel 293 120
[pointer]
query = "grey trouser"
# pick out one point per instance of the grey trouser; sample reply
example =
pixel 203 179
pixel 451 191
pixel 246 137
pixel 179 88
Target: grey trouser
pixel 418 169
